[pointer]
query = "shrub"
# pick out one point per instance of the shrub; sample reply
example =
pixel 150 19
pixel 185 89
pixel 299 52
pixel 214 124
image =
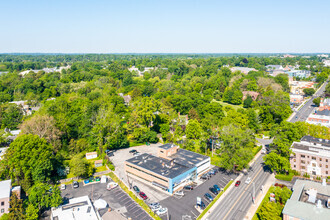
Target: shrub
pixel 284 177
pixel 307 175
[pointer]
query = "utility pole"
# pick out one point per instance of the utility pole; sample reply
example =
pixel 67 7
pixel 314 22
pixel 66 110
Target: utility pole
pixel 167 215
pixel 212 145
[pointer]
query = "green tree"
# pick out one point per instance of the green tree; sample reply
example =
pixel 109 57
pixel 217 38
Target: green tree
pixel 276 162
pixel 80 167
pixel 236 148
pixel 16 210
pixel 193 114
pixel 252 86
pixel 32 212
pixel 44 196
pixel 309 91
pixel 193 130
pixel 317 101
pixel 10 116
pixel 236 98
pixel 270 210
pixel 247 102
pixel 144 111
pixel 29 158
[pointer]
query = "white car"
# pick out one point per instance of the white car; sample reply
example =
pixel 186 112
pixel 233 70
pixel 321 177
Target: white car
pixel 156 208
pixel 112 185
pixel 161 211
pixel 63 186
pixel 248 180
pixel 179 193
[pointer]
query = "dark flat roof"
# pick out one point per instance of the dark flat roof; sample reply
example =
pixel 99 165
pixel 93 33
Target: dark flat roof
pixel 166 146
pixel 188 158
pixel 154 164
pixel 324 142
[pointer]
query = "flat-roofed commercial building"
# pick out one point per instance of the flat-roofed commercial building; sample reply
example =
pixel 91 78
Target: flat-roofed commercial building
pixel 309 200
pixel 171 170
pixel 311 155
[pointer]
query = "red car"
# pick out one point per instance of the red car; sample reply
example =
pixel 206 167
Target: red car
pixel 237 183
pixel 143 195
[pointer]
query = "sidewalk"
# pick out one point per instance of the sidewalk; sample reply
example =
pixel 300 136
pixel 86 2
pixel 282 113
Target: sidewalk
pixel 260 197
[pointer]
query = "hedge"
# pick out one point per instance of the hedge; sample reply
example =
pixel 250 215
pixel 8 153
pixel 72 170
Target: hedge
pixel 284 177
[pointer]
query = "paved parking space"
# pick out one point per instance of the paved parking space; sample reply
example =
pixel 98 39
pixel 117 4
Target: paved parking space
pixel 116 198
pixel 185 205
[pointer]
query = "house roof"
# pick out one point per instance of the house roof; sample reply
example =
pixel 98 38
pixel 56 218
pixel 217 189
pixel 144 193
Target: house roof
pixel 5 187
pixel 188 158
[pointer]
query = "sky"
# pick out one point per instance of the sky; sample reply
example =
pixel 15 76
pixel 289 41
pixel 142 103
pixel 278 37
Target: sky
pixel 165 26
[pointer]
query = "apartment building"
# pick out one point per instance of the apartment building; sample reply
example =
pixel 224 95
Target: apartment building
pixel 311 155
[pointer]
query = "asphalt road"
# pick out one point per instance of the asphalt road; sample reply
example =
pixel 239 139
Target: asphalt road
pixel 307 109
pixel 237 203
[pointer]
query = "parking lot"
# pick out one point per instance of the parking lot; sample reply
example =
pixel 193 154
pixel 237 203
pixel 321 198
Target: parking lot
pixel 117 199
pixel 179 207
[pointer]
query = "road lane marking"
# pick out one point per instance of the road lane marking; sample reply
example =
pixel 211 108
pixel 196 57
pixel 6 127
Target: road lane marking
pixel 242 194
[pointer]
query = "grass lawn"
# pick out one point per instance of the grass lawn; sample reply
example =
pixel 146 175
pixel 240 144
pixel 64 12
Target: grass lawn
pixel 227 104
pixel 100 169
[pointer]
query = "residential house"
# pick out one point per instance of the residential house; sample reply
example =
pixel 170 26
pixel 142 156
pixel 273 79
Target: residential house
pixel 319 117
pixel 78 208
pixel 296 99
pixel 289 56
pixel 297 87
pixel 309 200
pixel 254 95
pixel 244 70
pixel 311 155
pixel 46 70
pixel 326 62
pixel 91 155
pixel 274 70
pixel 2 152
pixel 25 107
pixel 127 98
pixel 299 73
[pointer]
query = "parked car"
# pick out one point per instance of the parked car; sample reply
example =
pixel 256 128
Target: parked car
pixel 63 186
pixel 75 184
pixel 248 180
pixel 205 176
pixel 97 179
pixel 136 189
pixel 179 193
pixel 208 197
pixel 111 185
pixel 213 190
pixel 133 151
pixel 202 205
pixel 143 195
pixel 237 183
pixel 161 211
pixel 154 204
pixel 188 187
pixel 155 208
pixel 217 188
pixel 212 172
